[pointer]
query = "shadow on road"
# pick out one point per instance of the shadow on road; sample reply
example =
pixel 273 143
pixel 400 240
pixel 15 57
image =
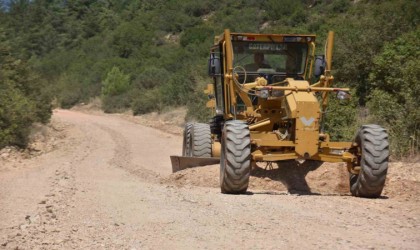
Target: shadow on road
pixel 292 174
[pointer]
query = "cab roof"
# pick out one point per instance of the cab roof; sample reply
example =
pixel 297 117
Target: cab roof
pixel 251 37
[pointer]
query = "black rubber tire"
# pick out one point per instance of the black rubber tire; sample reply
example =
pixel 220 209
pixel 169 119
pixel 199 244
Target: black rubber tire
pixel 200 143
pixel 235 162
pixel 216 124
pixel 373 154
pixel 187 138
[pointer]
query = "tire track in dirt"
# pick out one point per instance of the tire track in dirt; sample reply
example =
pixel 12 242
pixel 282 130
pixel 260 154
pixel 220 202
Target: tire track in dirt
pixel 43 228
pixel 122 157
pixel 109 206
pixel 54 225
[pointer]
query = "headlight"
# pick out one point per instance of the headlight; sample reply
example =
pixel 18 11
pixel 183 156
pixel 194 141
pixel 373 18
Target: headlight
pixel 342 95
pixel 262 93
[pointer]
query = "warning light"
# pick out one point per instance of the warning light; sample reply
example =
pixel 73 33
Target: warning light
pixel 249 38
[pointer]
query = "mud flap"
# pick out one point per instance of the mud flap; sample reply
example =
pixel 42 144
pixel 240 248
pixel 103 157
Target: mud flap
pixel 182 162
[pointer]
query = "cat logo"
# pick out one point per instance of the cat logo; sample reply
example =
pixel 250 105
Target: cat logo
pixel 307 122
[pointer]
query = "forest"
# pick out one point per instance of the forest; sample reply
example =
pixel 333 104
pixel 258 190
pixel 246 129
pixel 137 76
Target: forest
pixel 151 56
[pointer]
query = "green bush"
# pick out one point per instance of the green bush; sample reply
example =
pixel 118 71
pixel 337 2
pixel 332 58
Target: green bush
pixel 197 110
pixel 114 91
pixel 197 35
pixel 151 77
pixel 68 91
pixel 340 118
pixel 146 101
pixel 16 116
pixel 284 9
pixel 116 103
pixel 128 38
pixel 177 91
pixel 198 8
pixel 394 103
pixel 23 99
pixel 115 83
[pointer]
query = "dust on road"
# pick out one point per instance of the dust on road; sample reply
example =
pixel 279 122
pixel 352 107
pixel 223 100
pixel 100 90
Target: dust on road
pixel 107 183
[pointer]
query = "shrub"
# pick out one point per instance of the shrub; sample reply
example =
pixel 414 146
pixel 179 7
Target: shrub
pixel 22 99
pixel 197 35
pixel 340 119
pixel 394 103
pixel 177 91
pixel 16 116
pixel 114 91
pixel 116 103
pixel 115 83
pixel 151 77
pixel 197 110
pixel 146 101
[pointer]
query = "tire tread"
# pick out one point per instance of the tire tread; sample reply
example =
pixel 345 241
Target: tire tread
pixel 235 165
pixel 373 141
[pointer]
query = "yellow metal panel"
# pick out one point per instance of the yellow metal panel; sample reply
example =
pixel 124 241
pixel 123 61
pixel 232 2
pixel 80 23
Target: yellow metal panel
pixel 274 37
pixel 215 149
pixel 210 89
pixel 259 124
pixel 329 158
pixel 336 145
pixel 211 103
pixel 330 46
pixel 304 107
pixel 274 143
pixel 274 156
pixel 290 104
pixel 255 135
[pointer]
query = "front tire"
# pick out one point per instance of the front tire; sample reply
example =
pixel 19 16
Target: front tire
pixel 186 140
pixel 200 142
pixel 235 162
pixel 373 154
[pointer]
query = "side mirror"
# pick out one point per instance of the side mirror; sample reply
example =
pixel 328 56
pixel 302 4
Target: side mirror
pixel 214 65
pixel 319 65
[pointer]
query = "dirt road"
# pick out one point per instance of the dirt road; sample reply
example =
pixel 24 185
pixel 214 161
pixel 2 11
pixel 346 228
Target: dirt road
pixel 109 185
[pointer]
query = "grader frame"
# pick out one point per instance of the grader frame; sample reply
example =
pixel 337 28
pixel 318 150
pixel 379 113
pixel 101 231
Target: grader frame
pixel 275 114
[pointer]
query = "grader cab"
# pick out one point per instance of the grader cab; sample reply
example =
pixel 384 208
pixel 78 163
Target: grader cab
pixel 267 109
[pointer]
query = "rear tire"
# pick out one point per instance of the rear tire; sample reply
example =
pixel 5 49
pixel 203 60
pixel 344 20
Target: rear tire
pixel 373 154
pixel 200 142
pixel 187 138
pixel 235 162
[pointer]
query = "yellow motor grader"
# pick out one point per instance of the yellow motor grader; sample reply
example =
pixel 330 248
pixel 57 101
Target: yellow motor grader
pixel 267 109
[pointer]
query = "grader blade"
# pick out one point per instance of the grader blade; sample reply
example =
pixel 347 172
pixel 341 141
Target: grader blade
pixel 182 162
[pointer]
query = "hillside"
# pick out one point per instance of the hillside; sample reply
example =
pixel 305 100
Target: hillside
pixel 152 55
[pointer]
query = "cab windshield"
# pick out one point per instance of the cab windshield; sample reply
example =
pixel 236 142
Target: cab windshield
pixel 270 58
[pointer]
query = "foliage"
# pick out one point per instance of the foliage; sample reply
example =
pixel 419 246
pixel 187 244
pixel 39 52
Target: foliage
pixel 114 89
pixel 394 102
pixel 22 99
pixel 116 103
pixel 197 110
pixel 367 27
pixel 115 83
pixel 340 120
pixel 15 116
pixel 152 55
pixel 291 12
pixel 146 101
pixel 196 35
pixel 151 77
